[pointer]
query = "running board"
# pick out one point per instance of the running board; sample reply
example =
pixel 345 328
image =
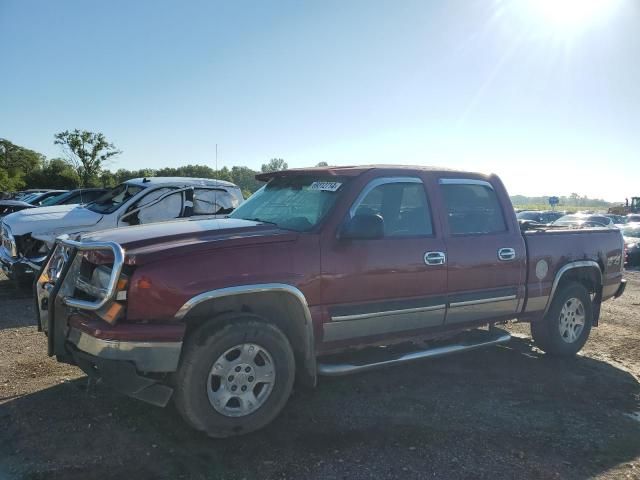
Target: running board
pixel 495 337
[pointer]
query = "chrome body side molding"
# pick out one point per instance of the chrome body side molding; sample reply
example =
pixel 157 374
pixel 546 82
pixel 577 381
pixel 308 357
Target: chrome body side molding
pixel 383 322
pixel 482 300
pixel 364 316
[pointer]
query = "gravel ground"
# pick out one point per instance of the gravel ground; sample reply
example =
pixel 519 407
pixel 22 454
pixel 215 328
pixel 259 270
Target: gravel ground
pixel 503 412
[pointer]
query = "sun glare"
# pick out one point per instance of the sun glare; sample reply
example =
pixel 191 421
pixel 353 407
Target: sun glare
pixel 571 15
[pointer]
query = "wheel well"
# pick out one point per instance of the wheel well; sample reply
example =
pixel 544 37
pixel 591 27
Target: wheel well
pixel 280 308
pixel 591 279
pixel 587 276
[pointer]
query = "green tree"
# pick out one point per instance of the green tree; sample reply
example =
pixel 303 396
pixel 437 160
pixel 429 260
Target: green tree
pixel 54 173
pixel 87 152
pixel 245 178
pixel 274 165
pixel 15 163
pixel 322 164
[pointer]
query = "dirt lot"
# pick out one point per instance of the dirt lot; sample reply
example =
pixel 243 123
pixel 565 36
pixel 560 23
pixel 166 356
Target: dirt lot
pixel 503 412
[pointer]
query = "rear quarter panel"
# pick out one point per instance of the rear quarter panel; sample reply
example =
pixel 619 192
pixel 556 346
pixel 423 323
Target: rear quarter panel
pixel 549 251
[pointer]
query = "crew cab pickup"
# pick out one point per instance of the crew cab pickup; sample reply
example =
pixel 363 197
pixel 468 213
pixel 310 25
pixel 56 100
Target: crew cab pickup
pixel 309 277
pixel 28 235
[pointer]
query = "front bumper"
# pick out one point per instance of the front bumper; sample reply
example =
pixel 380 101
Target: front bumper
pixel 145 356
pixel 15 268
pixel 122 376
pixel 128 357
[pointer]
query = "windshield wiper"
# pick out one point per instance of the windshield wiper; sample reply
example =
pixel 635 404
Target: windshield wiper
pixel 256 219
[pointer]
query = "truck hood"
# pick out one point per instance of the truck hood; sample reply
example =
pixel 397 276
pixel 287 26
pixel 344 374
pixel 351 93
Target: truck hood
pixel 52 221
pixel 153 242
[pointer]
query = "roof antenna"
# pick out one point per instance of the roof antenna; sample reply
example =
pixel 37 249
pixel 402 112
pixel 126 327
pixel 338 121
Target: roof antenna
pixel 215 191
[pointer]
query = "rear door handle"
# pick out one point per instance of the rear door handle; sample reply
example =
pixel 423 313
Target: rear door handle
pixel 506 254
pixel 435 258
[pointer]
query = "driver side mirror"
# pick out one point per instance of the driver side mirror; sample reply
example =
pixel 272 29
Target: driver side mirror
pixel 363 227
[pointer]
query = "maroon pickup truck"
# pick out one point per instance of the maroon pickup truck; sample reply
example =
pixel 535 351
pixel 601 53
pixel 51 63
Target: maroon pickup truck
pixel 311 276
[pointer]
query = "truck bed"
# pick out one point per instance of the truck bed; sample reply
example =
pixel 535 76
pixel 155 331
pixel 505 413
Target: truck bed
pixel 549 250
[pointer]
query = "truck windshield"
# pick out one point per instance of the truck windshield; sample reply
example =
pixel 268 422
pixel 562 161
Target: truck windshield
pixel 294 203
pixel 111 201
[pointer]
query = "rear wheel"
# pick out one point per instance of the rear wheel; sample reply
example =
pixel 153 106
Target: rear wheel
pixel 234 379
pixel 566 327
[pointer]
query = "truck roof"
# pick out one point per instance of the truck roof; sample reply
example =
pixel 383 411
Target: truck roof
pixel 356 170
pixel 155 181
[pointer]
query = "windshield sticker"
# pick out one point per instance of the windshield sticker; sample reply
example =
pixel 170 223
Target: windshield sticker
pixel 325 186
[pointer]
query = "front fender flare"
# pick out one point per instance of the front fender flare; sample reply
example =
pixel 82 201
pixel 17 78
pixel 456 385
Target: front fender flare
pixel 309 357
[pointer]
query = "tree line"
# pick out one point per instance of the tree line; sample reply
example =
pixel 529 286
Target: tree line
pixel 572 200
pixel 86 155
pixel 85 158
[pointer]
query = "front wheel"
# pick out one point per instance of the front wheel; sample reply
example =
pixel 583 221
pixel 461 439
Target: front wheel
pixel 234 379
pixel 566 327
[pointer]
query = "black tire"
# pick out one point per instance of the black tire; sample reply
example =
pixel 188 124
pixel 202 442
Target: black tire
pixel 204 347
pixel 24 282
pixel 546 332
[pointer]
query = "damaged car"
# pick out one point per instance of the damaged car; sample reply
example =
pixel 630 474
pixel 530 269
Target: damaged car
pixel 28 235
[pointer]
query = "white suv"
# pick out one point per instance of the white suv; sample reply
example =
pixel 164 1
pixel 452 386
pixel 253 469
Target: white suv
pixel 27 235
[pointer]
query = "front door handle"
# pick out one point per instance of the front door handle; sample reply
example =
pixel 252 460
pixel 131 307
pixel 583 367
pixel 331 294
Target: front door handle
pixel 435 258
pixel 506 254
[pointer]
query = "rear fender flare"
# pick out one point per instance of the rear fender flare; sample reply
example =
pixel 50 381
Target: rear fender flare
pixel 587 264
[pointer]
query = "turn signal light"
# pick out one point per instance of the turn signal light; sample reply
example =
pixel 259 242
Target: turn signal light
pixel 111 313
pixel 144 282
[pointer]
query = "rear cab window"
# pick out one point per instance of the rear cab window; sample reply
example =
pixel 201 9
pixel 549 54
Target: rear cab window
pixel 472 207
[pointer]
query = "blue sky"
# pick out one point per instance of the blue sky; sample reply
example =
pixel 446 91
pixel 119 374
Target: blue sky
pixel 546 96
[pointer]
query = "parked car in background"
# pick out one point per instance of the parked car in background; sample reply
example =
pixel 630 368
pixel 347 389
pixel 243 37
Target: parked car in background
pixel 75 197
pixel 30 200
pixel 542 217
pixel 618 220
pixel 223 315
pixel 23 193
pixel 633 218
pixel 631 234
pixel 53 197
pixel 584 221
pixel 28 235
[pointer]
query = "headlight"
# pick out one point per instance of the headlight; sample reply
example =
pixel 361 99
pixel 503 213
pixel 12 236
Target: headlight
pixel 97 287
pixel 8 241
pixel 99 282
pixel 100 278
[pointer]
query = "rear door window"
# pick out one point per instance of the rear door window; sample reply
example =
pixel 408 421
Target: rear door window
pixel 472 208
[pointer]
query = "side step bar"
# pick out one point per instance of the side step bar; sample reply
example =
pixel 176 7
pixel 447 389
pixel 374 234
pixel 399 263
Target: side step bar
pixel 337 369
